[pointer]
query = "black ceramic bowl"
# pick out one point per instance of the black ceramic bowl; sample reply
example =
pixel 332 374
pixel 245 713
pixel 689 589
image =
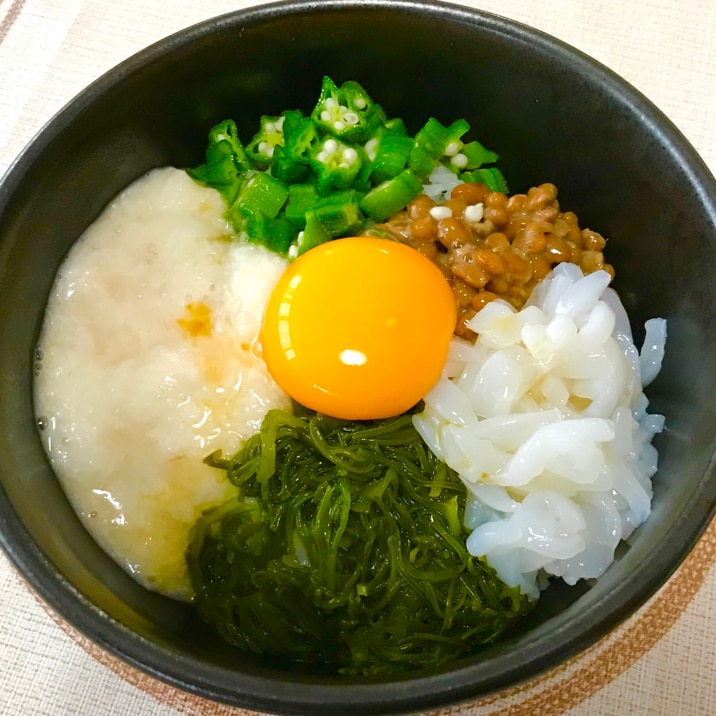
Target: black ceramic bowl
pixel 552 114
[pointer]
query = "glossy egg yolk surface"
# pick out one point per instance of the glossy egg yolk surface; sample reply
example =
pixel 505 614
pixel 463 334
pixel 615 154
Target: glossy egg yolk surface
pixel 359 328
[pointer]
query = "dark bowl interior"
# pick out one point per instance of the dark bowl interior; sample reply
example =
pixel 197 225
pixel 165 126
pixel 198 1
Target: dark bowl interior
pixel 552 114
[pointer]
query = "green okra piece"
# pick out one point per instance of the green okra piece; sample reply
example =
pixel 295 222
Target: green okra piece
pixel 391 196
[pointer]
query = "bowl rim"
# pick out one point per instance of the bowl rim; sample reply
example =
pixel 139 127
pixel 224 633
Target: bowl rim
pixel 409 692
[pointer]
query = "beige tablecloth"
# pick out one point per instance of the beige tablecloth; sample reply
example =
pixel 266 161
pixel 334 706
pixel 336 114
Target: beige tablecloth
pixel 663 660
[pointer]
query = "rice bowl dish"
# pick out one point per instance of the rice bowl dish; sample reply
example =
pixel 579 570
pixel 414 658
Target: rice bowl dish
pixel 237 304
pixel 150 122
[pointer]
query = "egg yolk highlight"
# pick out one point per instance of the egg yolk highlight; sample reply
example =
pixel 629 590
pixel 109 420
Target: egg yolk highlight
pixel 359 328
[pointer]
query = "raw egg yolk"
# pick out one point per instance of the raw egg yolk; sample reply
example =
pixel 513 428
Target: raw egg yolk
pixel 359 328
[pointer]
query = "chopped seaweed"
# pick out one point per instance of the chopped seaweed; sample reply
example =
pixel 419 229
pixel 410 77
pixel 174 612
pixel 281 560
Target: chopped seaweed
pixel 345 546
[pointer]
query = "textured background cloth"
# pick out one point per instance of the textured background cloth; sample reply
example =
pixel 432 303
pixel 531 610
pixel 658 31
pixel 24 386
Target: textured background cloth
pixel 662 660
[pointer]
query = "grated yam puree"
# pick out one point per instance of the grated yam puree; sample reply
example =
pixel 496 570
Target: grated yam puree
pixel 148 363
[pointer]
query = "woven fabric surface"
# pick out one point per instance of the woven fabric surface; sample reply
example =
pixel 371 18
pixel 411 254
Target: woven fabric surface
pixel 662 661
